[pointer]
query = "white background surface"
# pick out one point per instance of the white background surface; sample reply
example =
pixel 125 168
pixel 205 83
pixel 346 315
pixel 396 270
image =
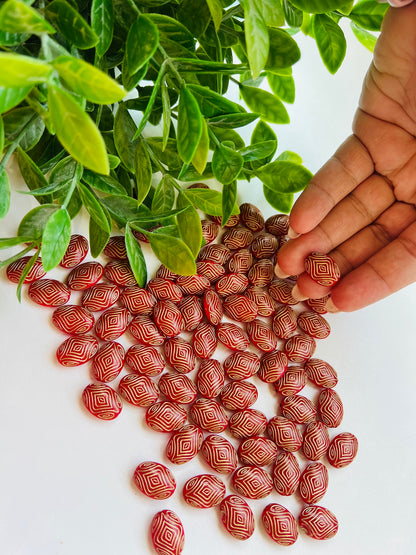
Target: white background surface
pixel 65 477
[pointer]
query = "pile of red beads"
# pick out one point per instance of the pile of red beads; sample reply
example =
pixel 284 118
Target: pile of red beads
pixel 233 308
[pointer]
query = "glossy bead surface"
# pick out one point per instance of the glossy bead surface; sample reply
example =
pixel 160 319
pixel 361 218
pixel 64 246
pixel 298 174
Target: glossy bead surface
pixel 145 331
pixel 231 284
pixel 323 269
pixel 298 408
pixel 112 323
pixel 251 217
pixel 318 522
pixel 238 395
pixel 261 335
pixel 179 355
pixel 102 401
pixel 232 336
pixel 331 409
pixel 241 365
pixel 314 325
pixel 167 533
pixel 299 348
pixel 261 273
pixel 209 415
pixel 210 230
pixel 313 483
pixel 116 248
pixel 284 322
pixel 284 433
pixel 212 270
pixel 342 450
pixel 281 291
pixel 204 491
pixel 164 290
pixel 212 307
pixel 193 285
pixel 108 362
pixel 168 318
pixel 317 305
pixel 165 416
pixel 154 480
pixel 184 444
pixel 120 273
pixel 178 388
pixel 219 454
pixel 72 319
pixel 15 270
pixel 240 262
pixel 321 373
pixel 49 292
pixel 264 245
pixel 77 350
pixel 237 238
pixel 100 296
pixel 280 524
pixel 272 366
pixel 138 390
pixel 210 378
pixel 247 423
pixel 258 451
pixel 237 517
pixel 145 359
pixel 84 275
pixel 252 482
pixel 240 308
pixel 76 251
pixel 278 224
pixel 191 310
pixel 315 441
pixel 265 304
pixel 214 253
pixel 286 473
pixel 137 300
pixel 204 340
pixel 292 381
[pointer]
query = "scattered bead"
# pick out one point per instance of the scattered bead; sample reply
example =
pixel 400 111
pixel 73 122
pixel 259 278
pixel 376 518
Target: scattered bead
pixel 204 491
pixel 323 269
pixel 49 292
pixel 184 444
pixel 102 401
pixel 167 533
pixel 154 480
pixel 77 350
pixel 252 482
pixel 237 517
pixel 342 450
pixel 318 523
pixel 280 524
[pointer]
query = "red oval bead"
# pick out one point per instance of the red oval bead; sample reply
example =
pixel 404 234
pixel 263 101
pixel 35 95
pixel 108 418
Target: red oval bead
pixel 191 310
pixel 238 395
pixel 102 401
pixel 331 409
pixel 116 247
pixel 145 331
pixel 165 416
pixel 313 483
pixel 76 251
pixel 178 388
pixel 15 269
pixel 240 262
pixel 231 284
pixel 209 415
pixel 323 269
pixel 237 517
pixel 167 533
pixel 73 319
pixel 193 285
pixel 299 348
pixel 284 322
pixel 77 350
pixel 292 381
pixel 212 307
pixel 261 273
pixel 120 273
pixel 280 524
pixel 284 433
pixel 145 359
pixel 286 474
pixel 214 253
pixel 210 230
pixel 264 245
pixel 210 378
pixel 168 318
pixel 281 291
pixel 108 362
pixel 137 300
pixel 204 491
pixel 112 323
pixel 163 272
pixel 237 238
pixel 261 336
pixel 251 217
pixel 314 325
pixel 84 275
pixel 179 355
pixel 272 366
pixel 138 390
pixel 321 373
pixel 211 270
pixel 265 304
pixel 317 305
pixel 315 441
pixel 100 296
pixel 342 450
pixel 298 408
pixel 252 482
pixel 204 340
pixel 154 480
pixel 232 336
pixel 246 423
pixel 241 365
pixel 219 454
pixel 184 444
pixel 164 290
pixel 278 224
pixel 240 308
pixel 49 292
pixel 258 451
pixel 318 522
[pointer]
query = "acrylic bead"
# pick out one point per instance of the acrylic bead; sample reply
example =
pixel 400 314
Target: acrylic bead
pixel 252 482
pixel 154 480
pixel 231 284
pixel 321 373
pixel 264 245
pixel 342 450
pixel 331 409
pixel 84 275
pixel 193 285
pixel 241 365
pixel 77 350
pixel 240 262
pixel 314 325
pixel 284 433
pixel 210 378
pixel 204 340
pixel 168 318
pixel 265 304
pixel 278 224
pixel 145 331
pixel 145 359
pixel 281 291
pixel 204 491
pixel 165 416
pixel 209 415
pixel 138 390
pixel 100 296
pixel 298 408
pixel 116 248
pixel 280 524
pixel 164 290
pixel 237 517
pixel 261 273
pixel 178 388
pixel 219 454
pixel 184 444
pixel 108 362
pixel 102 401
pixel 261 336
pixel 247 423
pixel 137 300
pixel 313 483
pixel 192 313
pixel 315 441
pixel 120 273
pixel 238 395
pixel 179 354
pixel 15 269
pixel 318 522
pixel 232 336
pixel 284 322
pixel 214 253
pixel 251 217
pixel 258 451
pixel 211 270
pixel 72 319
pixel 286 473
pixel 299 348
pixel 292 381
pixel 49 292
pixel 323 269
pixel 112 323
pixel 76 251
pixel 167 533
pixel 237 238
pixel 213 308
pixel 272 366
pixel 240 308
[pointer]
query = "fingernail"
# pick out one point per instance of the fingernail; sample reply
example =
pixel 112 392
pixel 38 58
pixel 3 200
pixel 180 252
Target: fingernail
pixel 296 294
pixel 292 234
pixel 279 272
pixel 330 307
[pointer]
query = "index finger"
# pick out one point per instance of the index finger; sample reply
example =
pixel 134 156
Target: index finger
pixel 345 170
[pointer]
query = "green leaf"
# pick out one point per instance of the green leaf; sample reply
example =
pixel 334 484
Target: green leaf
pixel 207 200
pixel 4 193
pixel 231 121
pixel 263 132
pixel 215 8
pixel 64 173
pixel 148 112
pixel 368 14
pixel 293 15
pixel 284 51
pixel 166 115
pixel 71 24
pixel 282 86
pixel 318 6
pixel 12 96
pixel 367 39
pixel 330 40
pixel 79 136
pixel 273 14
pixel 142 171
pixel 282 202
pixel 103 183
pixel 7 242
pixel 32 175
pixel 172 30
pixel 87 80
pixel 98 238
pixel 229 197
pixel 24 123
pixel 33 223
pixel 17 17
pixel 164 197
pixel 284 177
pixel 269 107
pixel 258 151
pixel 55 238
pixel 102 24
pixel 200 158
pixel 1 134
pixel 290 157
pixel 20 71
pixel 173 253
pixel 93 207
pixel 124 209
pixel 124 131
pixel 226 164
pixel 189 125
pixel 211 103
pixel 136 258
pixel 142 42
pixel 189 225
pixel 194 65
pixel 225 134
pixel 256 35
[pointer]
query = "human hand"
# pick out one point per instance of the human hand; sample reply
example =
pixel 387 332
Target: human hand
pixel 360 207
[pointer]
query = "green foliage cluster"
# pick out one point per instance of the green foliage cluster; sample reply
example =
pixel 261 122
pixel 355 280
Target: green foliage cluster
pixel 66 67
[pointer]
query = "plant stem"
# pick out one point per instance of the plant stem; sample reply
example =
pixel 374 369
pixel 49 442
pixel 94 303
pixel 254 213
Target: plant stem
pixel 71 190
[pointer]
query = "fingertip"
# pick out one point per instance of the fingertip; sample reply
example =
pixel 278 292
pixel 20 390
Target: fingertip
pixel 330 306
